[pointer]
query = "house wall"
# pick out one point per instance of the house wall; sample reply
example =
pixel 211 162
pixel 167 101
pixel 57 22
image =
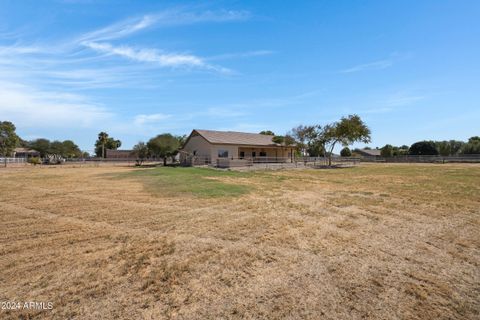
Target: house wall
pixel 232 151
pixel 200 145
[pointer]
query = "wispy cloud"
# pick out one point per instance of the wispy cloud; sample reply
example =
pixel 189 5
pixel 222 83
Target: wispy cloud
pixel 118 30
pixel 403 99
pixel 142 119
pixel 247 54
pixel 15 50
pixel 393 102
pixel 155 56
pixel 28 106
pixel 171 17
pixel 377 65
pixel 38 78
pixel 96 40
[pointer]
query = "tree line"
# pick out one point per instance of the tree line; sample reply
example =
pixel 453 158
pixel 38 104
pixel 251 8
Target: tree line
pixel 320 140
pixel 309 140
pixel 162 146
pixel 443 148
pixel 9 140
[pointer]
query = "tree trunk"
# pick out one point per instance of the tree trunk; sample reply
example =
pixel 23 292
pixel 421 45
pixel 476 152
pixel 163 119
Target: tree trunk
pixel 330 154
pixel 164 161
pixel 103 150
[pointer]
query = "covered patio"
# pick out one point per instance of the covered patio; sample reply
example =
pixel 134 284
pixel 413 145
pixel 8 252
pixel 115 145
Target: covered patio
pixel 266 154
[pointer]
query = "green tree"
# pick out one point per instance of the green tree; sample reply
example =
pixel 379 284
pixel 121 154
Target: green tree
pixel 400 151
pixel 65 149
pixel 288 140
pixel 318 147
pixel 164 146
pixel 141 151
pixel 267 133
pixel 8 138
pixel 347 131
pixel 305 137
pixel 102 141
pixel 423 148
pixel 278 139
pixel 182 139
pixel 345 152
pixel 455 146
pixel 105 142
pixel 22 143
pixel 443 147
pixel 56 147
pixel 70 149
pixel 387 151
pixel 41 145
pixel 472 146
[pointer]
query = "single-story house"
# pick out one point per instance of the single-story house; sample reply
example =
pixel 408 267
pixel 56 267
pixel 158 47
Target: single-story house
pixel 207 146
pixel 368 152
pixel 25 153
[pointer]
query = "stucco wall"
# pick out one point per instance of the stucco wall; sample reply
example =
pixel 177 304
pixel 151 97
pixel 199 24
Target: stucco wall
pixel 200 145
pixel 232 151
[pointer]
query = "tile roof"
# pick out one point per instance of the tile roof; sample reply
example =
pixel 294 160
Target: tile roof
pixel 232 137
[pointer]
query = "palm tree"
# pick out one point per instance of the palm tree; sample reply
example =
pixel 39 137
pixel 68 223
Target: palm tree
pixel 103 138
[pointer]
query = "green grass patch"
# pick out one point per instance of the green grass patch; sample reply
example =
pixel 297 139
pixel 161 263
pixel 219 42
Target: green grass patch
pixel 201 182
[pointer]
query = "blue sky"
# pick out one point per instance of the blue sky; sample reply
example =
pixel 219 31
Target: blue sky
pixel 69 69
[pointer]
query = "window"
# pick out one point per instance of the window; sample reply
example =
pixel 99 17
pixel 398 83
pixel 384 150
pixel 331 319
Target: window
pixel 263 154
pixel 242 154
pixel 222 153
pixel 254 154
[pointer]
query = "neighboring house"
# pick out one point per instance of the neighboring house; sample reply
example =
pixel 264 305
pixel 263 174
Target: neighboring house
pixel 368 152
pixel 206 146
pixel 120 154
pixel 25 153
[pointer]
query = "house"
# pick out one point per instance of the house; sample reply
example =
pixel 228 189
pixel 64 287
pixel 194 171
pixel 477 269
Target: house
pixel 209 146
pixel 25 153
pixel 368 152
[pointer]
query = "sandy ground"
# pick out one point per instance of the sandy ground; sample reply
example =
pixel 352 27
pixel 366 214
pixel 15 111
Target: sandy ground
pixel 376 242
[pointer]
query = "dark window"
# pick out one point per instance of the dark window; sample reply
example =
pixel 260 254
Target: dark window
pixel 263 154
pixel 242 154
pixel 254 154
pixel 222 153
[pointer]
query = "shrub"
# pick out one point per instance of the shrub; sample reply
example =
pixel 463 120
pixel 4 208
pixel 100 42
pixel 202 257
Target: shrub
pixel 34 160
pixel 423 148
pixel 345 152
pixel 386 151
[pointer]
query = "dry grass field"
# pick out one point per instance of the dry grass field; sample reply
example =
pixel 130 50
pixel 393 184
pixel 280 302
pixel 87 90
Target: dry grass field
pixel 373 241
